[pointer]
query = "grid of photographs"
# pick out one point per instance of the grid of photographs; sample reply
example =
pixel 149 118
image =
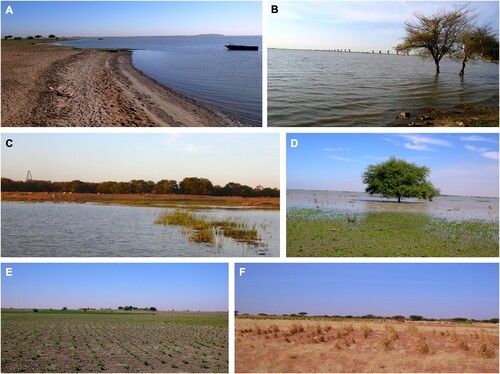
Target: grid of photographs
pixel 249 186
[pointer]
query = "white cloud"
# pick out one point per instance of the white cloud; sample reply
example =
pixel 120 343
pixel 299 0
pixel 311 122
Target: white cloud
pixel 492 155
pixel 423 139
pixel 477 138
pixel 475 149
pixel 333 149
pixel 417 147
pixel 344 159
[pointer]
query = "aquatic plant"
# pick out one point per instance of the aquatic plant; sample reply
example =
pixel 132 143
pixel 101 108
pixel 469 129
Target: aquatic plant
pixel 203 229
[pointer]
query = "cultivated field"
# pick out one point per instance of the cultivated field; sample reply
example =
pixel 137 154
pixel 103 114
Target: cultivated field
pixel 335 346
pixel 114 342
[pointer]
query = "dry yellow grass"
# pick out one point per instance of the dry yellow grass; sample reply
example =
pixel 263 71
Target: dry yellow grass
pixel 341 346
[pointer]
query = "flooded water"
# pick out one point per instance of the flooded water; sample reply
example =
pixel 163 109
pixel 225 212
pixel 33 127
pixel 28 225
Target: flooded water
pixel 200 67
pixel 456 208
pixel 89 230
pixel 315 88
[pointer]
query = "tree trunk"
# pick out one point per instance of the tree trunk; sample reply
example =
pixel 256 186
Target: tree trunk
pixel 462 72
pixel 437 66
pixel 399 199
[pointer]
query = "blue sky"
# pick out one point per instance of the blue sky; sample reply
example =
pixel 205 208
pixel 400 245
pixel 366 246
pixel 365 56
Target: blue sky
pixel 431 290
pixel 358 25
pixel 250 159
pixel 460 164
pixel 197 287
pixel 138 18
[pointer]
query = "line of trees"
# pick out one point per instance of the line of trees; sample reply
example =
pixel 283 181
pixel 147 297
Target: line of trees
pixel 372 316
pixel 51 36
pixel 188 186
pixel 130 307
pixel 450 33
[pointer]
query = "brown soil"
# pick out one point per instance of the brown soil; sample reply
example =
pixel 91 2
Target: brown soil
pixel 46 85
pixel 275 345
pixel 142 199
pixel 465 115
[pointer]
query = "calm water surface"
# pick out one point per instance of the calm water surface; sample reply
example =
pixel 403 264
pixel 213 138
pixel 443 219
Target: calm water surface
pixel 89 230
pixel 454 208
pixel 200 67
pixel 315 88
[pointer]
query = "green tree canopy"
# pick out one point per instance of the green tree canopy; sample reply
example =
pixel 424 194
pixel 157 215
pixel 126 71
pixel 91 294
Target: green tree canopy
pixel 435 35
pixel 399 178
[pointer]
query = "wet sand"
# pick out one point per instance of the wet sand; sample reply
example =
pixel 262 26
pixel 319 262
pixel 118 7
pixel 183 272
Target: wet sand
pixel 46 85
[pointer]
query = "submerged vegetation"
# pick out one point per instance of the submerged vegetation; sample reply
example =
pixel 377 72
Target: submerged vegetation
pixel 203 229
pixel 387 234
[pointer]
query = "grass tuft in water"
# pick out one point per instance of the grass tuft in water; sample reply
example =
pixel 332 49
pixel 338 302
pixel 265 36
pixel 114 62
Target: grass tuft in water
pixel 202 229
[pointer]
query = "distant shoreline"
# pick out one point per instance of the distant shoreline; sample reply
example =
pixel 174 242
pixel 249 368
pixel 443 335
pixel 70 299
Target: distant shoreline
pixel 159 200
pixel 51 86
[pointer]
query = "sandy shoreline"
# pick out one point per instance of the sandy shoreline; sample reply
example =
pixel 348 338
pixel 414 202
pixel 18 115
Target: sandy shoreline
pixel 143 199
pixel 50 86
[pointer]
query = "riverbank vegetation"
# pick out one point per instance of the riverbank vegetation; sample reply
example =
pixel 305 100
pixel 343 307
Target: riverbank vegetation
pixel 319 233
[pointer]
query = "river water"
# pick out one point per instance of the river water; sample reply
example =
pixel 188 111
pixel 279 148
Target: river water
pixel 90 230
pixel 319 88
pixel 200 67
pixel 455 208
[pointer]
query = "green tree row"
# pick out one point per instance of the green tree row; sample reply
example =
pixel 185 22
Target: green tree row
pixel 188 186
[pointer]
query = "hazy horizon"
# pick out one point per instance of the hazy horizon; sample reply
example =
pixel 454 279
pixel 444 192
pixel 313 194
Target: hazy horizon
pixel 438 290
pixel 165 286
pixel 122 18
pixel 357 25
pixel 459 164
pixel 249 159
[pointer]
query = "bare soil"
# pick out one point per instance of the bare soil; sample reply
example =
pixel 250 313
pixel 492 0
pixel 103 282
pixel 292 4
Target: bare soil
pixel 46 85
pixel 143 199
pixel 278 345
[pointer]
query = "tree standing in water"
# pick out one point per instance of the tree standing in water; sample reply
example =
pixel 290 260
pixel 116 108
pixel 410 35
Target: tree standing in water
pixel 477 43
pixel 399 178
pixel 435 35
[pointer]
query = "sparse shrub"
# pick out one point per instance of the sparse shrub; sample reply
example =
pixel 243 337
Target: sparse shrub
pixel 274 328
pixel 337 346
pixel 258 330
pixel 296 328
pixel 287 340
pixel 462 344
pixel 391 333
pixel 348 340
pixel 421 345
pixel 413 331
pixel 366 330
pixel 485 350
pixel 328 328
pixel 293 356
pixel 318 329
pixel 344 331
pixel 386 343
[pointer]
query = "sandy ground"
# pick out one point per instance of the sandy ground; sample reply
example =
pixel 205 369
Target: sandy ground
pixel 288 346
pixel 45 85
pixel 153 199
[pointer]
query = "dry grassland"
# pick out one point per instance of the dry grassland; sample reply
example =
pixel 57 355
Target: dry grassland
pixel 275 345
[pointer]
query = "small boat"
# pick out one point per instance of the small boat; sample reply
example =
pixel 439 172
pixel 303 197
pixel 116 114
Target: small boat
pixel 100 39
pixel 234 47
